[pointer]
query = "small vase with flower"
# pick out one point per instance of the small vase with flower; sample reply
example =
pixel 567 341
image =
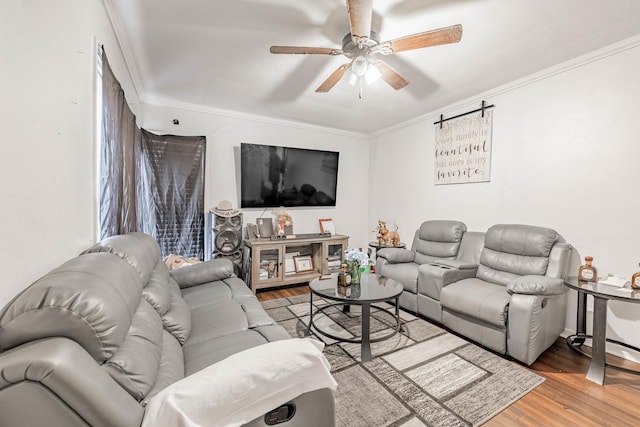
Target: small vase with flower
pixel 356 260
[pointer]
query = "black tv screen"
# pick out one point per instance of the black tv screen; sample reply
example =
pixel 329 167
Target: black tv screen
pixel 273 176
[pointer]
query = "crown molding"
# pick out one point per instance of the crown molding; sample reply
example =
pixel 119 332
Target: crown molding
pixel 153 100
pixel 157 101
pixel 124 46
pixel 580 61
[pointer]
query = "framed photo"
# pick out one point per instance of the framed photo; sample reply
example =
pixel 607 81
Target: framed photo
pixel 289 266
pixel 326 226
pixel 303 263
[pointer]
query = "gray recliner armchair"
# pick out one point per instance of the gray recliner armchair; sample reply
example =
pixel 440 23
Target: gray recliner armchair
pixel 433 241
pixel 516 303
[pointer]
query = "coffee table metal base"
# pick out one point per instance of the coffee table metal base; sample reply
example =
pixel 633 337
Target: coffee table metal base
pixel 365 340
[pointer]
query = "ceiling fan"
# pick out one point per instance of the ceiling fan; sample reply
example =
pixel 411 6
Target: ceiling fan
pixel 362 45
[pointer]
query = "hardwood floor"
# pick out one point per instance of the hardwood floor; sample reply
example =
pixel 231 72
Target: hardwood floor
pixel 566 398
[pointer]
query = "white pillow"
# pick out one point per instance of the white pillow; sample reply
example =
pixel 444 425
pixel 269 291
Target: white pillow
pixel 243 386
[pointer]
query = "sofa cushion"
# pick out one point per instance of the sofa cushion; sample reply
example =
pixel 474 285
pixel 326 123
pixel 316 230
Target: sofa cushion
pixel 477 299
pixel 140 250
pixel 214 292
pixel 215 320
pixel 512 250
pixel 171 365
pixel 437 239
pixel 161 291
pixel 226 318
pixel 526 240
pixel 204 353
pixel 206 272
pixel 178 319
pixel 406 273
pixel 231 312
pixel 136 364
pixel 156 290
pixel 90 299
pixel 256 315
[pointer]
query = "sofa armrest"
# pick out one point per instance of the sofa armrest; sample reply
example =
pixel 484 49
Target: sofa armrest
pixel 244 386
pixel 537 285
pixel 455 263
pixel 456 274
pixel 204 272
pixel 64 382
pixel 396 255
pixel 432 278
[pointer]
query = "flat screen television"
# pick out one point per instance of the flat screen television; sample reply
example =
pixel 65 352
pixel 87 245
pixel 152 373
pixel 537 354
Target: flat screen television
pixel 273 176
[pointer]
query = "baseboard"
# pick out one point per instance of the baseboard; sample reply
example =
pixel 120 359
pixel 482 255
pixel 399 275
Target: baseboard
pixel 612 349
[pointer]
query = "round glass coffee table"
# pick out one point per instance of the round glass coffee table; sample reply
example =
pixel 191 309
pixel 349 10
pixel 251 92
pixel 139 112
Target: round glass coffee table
pixel 373 288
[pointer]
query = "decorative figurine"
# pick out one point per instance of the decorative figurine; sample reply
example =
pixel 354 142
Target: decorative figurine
pixel 284 222
pixel 385 236
pixel 343 277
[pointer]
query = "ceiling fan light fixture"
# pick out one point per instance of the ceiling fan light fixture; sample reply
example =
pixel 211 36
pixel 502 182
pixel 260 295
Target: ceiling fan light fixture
pixel 372 75
pixel 359 66
pixel 350 78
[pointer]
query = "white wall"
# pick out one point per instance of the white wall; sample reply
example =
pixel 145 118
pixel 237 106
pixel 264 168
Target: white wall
pixel 565 156
pixel 46 115
pixel 225 132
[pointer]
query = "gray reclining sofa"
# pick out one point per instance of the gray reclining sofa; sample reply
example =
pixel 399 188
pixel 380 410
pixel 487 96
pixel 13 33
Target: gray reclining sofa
pixel 92 341
pixel 502 289
pixel 439 248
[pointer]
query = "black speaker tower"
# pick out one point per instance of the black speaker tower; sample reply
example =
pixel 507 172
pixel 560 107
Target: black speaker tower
pixel 224 239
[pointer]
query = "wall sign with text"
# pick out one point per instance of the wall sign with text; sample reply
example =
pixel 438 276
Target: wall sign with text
pixel 463 149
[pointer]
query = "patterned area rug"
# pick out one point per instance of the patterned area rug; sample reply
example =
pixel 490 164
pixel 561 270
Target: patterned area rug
pixel 423 376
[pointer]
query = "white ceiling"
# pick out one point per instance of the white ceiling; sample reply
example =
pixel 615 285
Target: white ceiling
pixel 215 53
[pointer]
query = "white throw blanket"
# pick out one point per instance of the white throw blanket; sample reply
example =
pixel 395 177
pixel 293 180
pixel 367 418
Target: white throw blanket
pixel 243 386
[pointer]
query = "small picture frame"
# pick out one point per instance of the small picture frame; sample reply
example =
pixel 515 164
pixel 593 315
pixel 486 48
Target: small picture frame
pixel 303 263
pixel 326 226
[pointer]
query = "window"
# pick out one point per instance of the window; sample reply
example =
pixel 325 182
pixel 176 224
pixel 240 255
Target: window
pixel 149 183
pixel 171 192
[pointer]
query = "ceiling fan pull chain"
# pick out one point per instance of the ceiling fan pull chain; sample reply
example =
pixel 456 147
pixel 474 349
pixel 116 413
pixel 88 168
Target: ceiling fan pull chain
pixel 361 87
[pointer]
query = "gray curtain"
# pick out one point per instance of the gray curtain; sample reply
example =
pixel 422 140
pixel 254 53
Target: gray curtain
pixel 171 192
pixel 117 158
pixel 149 183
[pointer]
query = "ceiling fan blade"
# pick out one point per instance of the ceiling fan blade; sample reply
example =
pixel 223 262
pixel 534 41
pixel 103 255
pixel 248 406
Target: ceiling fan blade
pixel 360 14
pixel 389 75
pixel 333 78
pixel 437 37
pixel 301 50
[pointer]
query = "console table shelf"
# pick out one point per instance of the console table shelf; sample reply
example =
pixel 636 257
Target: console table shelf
pixel 270 263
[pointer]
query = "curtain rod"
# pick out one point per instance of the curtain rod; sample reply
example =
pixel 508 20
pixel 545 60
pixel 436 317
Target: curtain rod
pixel 482 108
